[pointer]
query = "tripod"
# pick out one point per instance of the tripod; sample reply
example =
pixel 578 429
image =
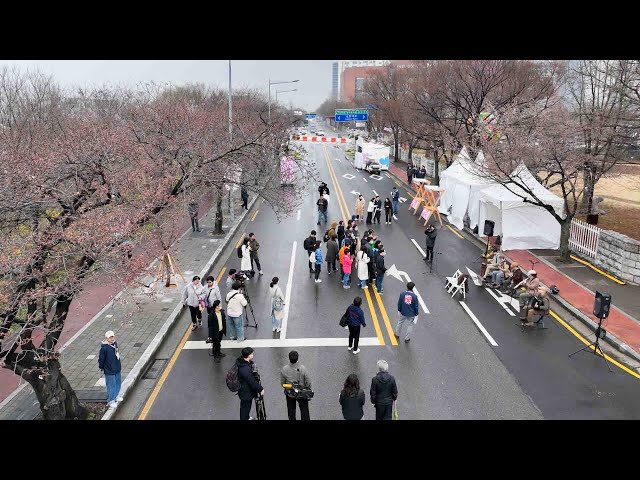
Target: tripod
pixel 243 289
pixel 485 254
pixel 597 350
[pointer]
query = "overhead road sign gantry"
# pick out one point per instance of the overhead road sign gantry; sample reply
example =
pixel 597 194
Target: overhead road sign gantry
pixel 350 115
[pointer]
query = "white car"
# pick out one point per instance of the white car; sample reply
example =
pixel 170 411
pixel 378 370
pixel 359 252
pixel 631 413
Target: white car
pixel 320 133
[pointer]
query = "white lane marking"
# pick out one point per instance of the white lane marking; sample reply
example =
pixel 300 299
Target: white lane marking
pixel 91 357
pixel 188 272
pixel 284 343
pixel 365 180
pixel 354 192
pixel 298 214
pixel 418 247
pixel 402 199
pixel 394 217
pixel 478 324
pixel 420 301
pixel 474 277
pixel 348 176
pixel 338 160
pixel 508 310
pixel 287 295
pixel 375 193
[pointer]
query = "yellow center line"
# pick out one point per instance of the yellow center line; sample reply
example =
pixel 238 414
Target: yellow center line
pixel 241 239
pixel 376 325
pixel 254 215
pixel 587 342
pixel 457 233
pixel 597 270
pixel 392 337
pixel 220 274
pixel 335 184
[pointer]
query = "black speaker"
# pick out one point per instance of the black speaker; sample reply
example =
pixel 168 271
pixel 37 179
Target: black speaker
pixel 602 305
pixel 488 228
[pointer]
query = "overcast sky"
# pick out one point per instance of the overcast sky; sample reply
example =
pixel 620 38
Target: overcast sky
pixel 313 88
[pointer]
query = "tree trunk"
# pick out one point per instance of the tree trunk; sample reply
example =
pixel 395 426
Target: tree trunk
pixel 57 399
pixel 217 229
pixel 436 168
pixel 410 151
pixel 565 230
pixel 167 267
pixel 589 187
pixel 396 145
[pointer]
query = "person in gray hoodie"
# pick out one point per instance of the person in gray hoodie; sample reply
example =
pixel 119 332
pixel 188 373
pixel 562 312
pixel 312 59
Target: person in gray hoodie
pixel 295 373
pixel 332 254
pixel 383 391
pixel 192 294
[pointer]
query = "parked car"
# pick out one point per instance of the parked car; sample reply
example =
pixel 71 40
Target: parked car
pixel 320 133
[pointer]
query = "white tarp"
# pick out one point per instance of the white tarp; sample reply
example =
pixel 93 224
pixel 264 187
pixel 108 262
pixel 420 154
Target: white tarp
pixel 521 224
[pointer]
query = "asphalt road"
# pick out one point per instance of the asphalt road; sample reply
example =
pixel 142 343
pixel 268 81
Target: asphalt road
pixel 449 370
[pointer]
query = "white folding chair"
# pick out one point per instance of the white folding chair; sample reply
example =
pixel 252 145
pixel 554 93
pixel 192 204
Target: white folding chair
pixel 451 281
pixel 460 287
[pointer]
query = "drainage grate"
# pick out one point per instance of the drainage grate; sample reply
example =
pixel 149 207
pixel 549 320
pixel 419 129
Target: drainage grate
pixel 164 309
pixel 155 369
pixel 138 344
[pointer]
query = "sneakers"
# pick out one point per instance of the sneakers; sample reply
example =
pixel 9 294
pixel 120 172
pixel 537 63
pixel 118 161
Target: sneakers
pixel 194 326
pixel 112 404
pixel 260 272
pixel 318 281
pixel 349 348
pixel 119 399
pixel 355 352
pixel 406 340
pixel 199 323
pixel 278 330
pixel 329 272
pixel 274 329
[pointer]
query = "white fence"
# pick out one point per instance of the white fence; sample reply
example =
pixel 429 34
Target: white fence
pixel 584 238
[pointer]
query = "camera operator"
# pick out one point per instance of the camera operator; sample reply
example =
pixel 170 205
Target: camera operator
pixel 236 302
pixel 430 242
pixel 295 374
pixel 231 278
pixel 249 382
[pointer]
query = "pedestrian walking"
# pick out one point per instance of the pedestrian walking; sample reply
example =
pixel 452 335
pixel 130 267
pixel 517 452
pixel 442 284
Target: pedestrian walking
pixel 332 254
pixel 362 259
pixel 384 391
pixel 277 304
pixel 109 364
pixel 322 209
pixel 370 209
pixel 255 246
pixel 318 261
pixel 395 196
pixel 211 293
pixel 377 209
pixel 250 388
pixel 245 197
pixel 359 208
pixel 347 262
pixel 355 320
pixel 323 190
pixel 217 324
pixel 380 269
pixel 352 399
pixel 388 211
pixel 309 245
pixel 193 297
pixel 245 262
pixel 295 373
pixel 409 172
pixel 407 311
pixel 430 241
pixel 236 302
pixel 193 214
pixel 340 232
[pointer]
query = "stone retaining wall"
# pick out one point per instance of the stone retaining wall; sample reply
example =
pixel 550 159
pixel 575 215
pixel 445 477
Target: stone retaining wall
pixel 619 255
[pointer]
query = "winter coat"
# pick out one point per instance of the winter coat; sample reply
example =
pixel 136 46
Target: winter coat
pixel 347 261
pixel 371 207
pixel 343 250
pixel 360 207
pixel 319 258
pixel 193 209
pixel 377 205
pixel 352 405
pixel 431 237
pixel 368 249
pixel 212 323
pixel 387 205
pixel 322 204
pixel 191 295
pixel 236 304
pixel 310 243
pixel 395 195
pixel 362 259
pixel 380 268
pixel 108 361
pixel 249 386
pixel 276 292
pixel 332 250
pixel 355 316
pixel 212 294
pixel 294 372
pixel 383 389
pixel 340 233
pixel 408 304
pixel 255 245
pixel 245 263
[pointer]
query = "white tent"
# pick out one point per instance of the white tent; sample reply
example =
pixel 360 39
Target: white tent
pixel 460 181
pixel 521 224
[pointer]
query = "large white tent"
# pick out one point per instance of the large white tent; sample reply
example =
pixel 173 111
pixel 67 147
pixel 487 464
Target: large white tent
pixel 521 224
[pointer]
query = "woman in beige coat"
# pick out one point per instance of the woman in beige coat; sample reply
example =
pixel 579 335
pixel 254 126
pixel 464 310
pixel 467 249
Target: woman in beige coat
pixel 360 207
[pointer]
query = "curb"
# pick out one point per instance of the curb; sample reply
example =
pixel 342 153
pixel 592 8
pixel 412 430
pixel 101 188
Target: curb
pixel 143 362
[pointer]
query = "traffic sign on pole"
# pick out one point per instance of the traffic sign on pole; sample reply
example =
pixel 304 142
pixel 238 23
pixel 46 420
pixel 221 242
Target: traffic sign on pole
pixel 350 115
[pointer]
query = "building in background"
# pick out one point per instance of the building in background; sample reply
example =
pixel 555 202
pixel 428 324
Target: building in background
pixel 353 73
pixel 335 80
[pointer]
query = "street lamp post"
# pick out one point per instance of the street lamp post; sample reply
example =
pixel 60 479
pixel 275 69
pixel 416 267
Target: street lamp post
pixel 276 83
pixel 284 91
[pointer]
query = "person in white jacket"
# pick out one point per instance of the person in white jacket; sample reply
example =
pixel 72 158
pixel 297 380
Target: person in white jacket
pixel 191 296
pixel 370 208
pixel 235 309
pixel 363 271
pixel 277 304
pixel 245 263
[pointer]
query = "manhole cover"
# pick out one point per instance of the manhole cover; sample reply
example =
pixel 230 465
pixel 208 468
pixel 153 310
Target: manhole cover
pixel 138 344
pixel 155 369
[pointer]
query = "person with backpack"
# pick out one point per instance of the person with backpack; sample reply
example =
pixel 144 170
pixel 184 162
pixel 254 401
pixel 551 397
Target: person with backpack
pixel 352 399
pixel 355 319
pixel 294 373
pixel 244 382
pixel 317 257
pixel 217 324
pixel 192 296
pixel 332 254
pixel 347 262
pixel 330 231
pixel 277 304
pixel 310 246
pixel 407 311
pixel 388 211
pixel 254 245
pixel 236 302
pixel 380 269
pixel 384 391
pixel 395 197
pixel 245 249
pixel 211 293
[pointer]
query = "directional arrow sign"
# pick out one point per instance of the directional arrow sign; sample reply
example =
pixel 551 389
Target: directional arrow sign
pixel 474 277
pixel 354 192
pixel 402 199
pixel 394 272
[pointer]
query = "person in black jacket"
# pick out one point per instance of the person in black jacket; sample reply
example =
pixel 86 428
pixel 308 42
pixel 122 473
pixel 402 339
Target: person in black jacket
pixel 109 363
pixel 377 203
pixel 340 232
pixel 388 211
pixel 430 241
pixel 310 246
pixel 355 319
pixel 383 391
pixel 249 386
pixel 352 399
pixel 217 323
pixel 380 269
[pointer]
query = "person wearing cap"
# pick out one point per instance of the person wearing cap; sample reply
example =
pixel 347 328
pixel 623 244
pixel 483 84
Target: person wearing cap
pixel 542 306
pixel 249 386
pixel 109 364
pixel 516 276
pixel 531 284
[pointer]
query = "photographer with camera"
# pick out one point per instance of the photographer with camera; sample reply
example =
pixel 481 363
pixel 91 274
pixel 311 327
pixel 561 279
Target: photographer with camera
pixel 430 242
pixel 249 380
pixel 236 302
pixel 231 278
pixel 297 387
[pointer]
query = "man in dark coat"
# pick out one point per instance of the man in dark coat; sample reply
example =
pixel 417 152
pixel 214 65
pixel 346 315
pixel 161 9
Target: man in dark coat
pixel 310 246
pixel 245 197
pixel 217 323
pixel 430 242
pixel 332 254
pixel 383 391
pixel 249 386
pixel 109 364
pixel 409 172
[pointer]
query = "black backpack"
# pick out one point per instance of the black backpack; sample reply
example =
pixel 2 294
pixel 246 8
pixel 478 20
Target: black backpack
pixel 239 250
pixel 325 239
pixel 233 382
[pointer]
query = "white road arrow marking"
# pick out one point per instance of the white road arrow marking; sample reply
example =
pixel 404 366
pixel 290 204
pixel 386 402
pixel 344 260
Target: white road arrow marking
pixel 365 180
pixel 478 324
pixel 474 277
pixel 394 272
pixel 402 199
pixel 354 192
pixel 500 301
pixel 348 176
pixel 375 177
pixel 375 193
pixel 338 160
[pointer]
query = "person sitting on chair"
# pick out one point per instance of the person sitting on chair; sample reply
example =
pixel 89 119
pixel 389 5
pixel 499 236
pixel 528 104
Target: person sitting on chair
pixel 515 277
pixel 531 284
pixel 499 275
pixel 540 306
pixel 496 264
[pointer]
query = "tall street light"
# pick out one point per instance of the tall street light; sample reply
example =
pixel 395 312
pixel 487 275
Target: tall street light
pixel 276 83
pixel 284 91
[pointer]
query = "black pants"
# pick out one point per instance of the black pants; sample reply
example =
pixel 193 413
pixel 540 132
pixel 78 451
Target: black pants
pixel 372 272
pixel 216 338
pixel 254 257
pixel 195 313
pixel 291 408
pixel 354 336
pixel 388 215
pixel 318 268
pixel 194 223
pixel 383 412
pixel 429 257
pixel 331 265
pixel 244 202
pixel 369 215
pixel 376 217
pixel 409 179
pixel 245 409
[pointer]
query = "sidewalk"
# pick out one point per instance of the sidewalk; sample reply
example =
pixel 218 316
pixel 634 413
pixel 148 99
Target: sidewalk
pixel 139 324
